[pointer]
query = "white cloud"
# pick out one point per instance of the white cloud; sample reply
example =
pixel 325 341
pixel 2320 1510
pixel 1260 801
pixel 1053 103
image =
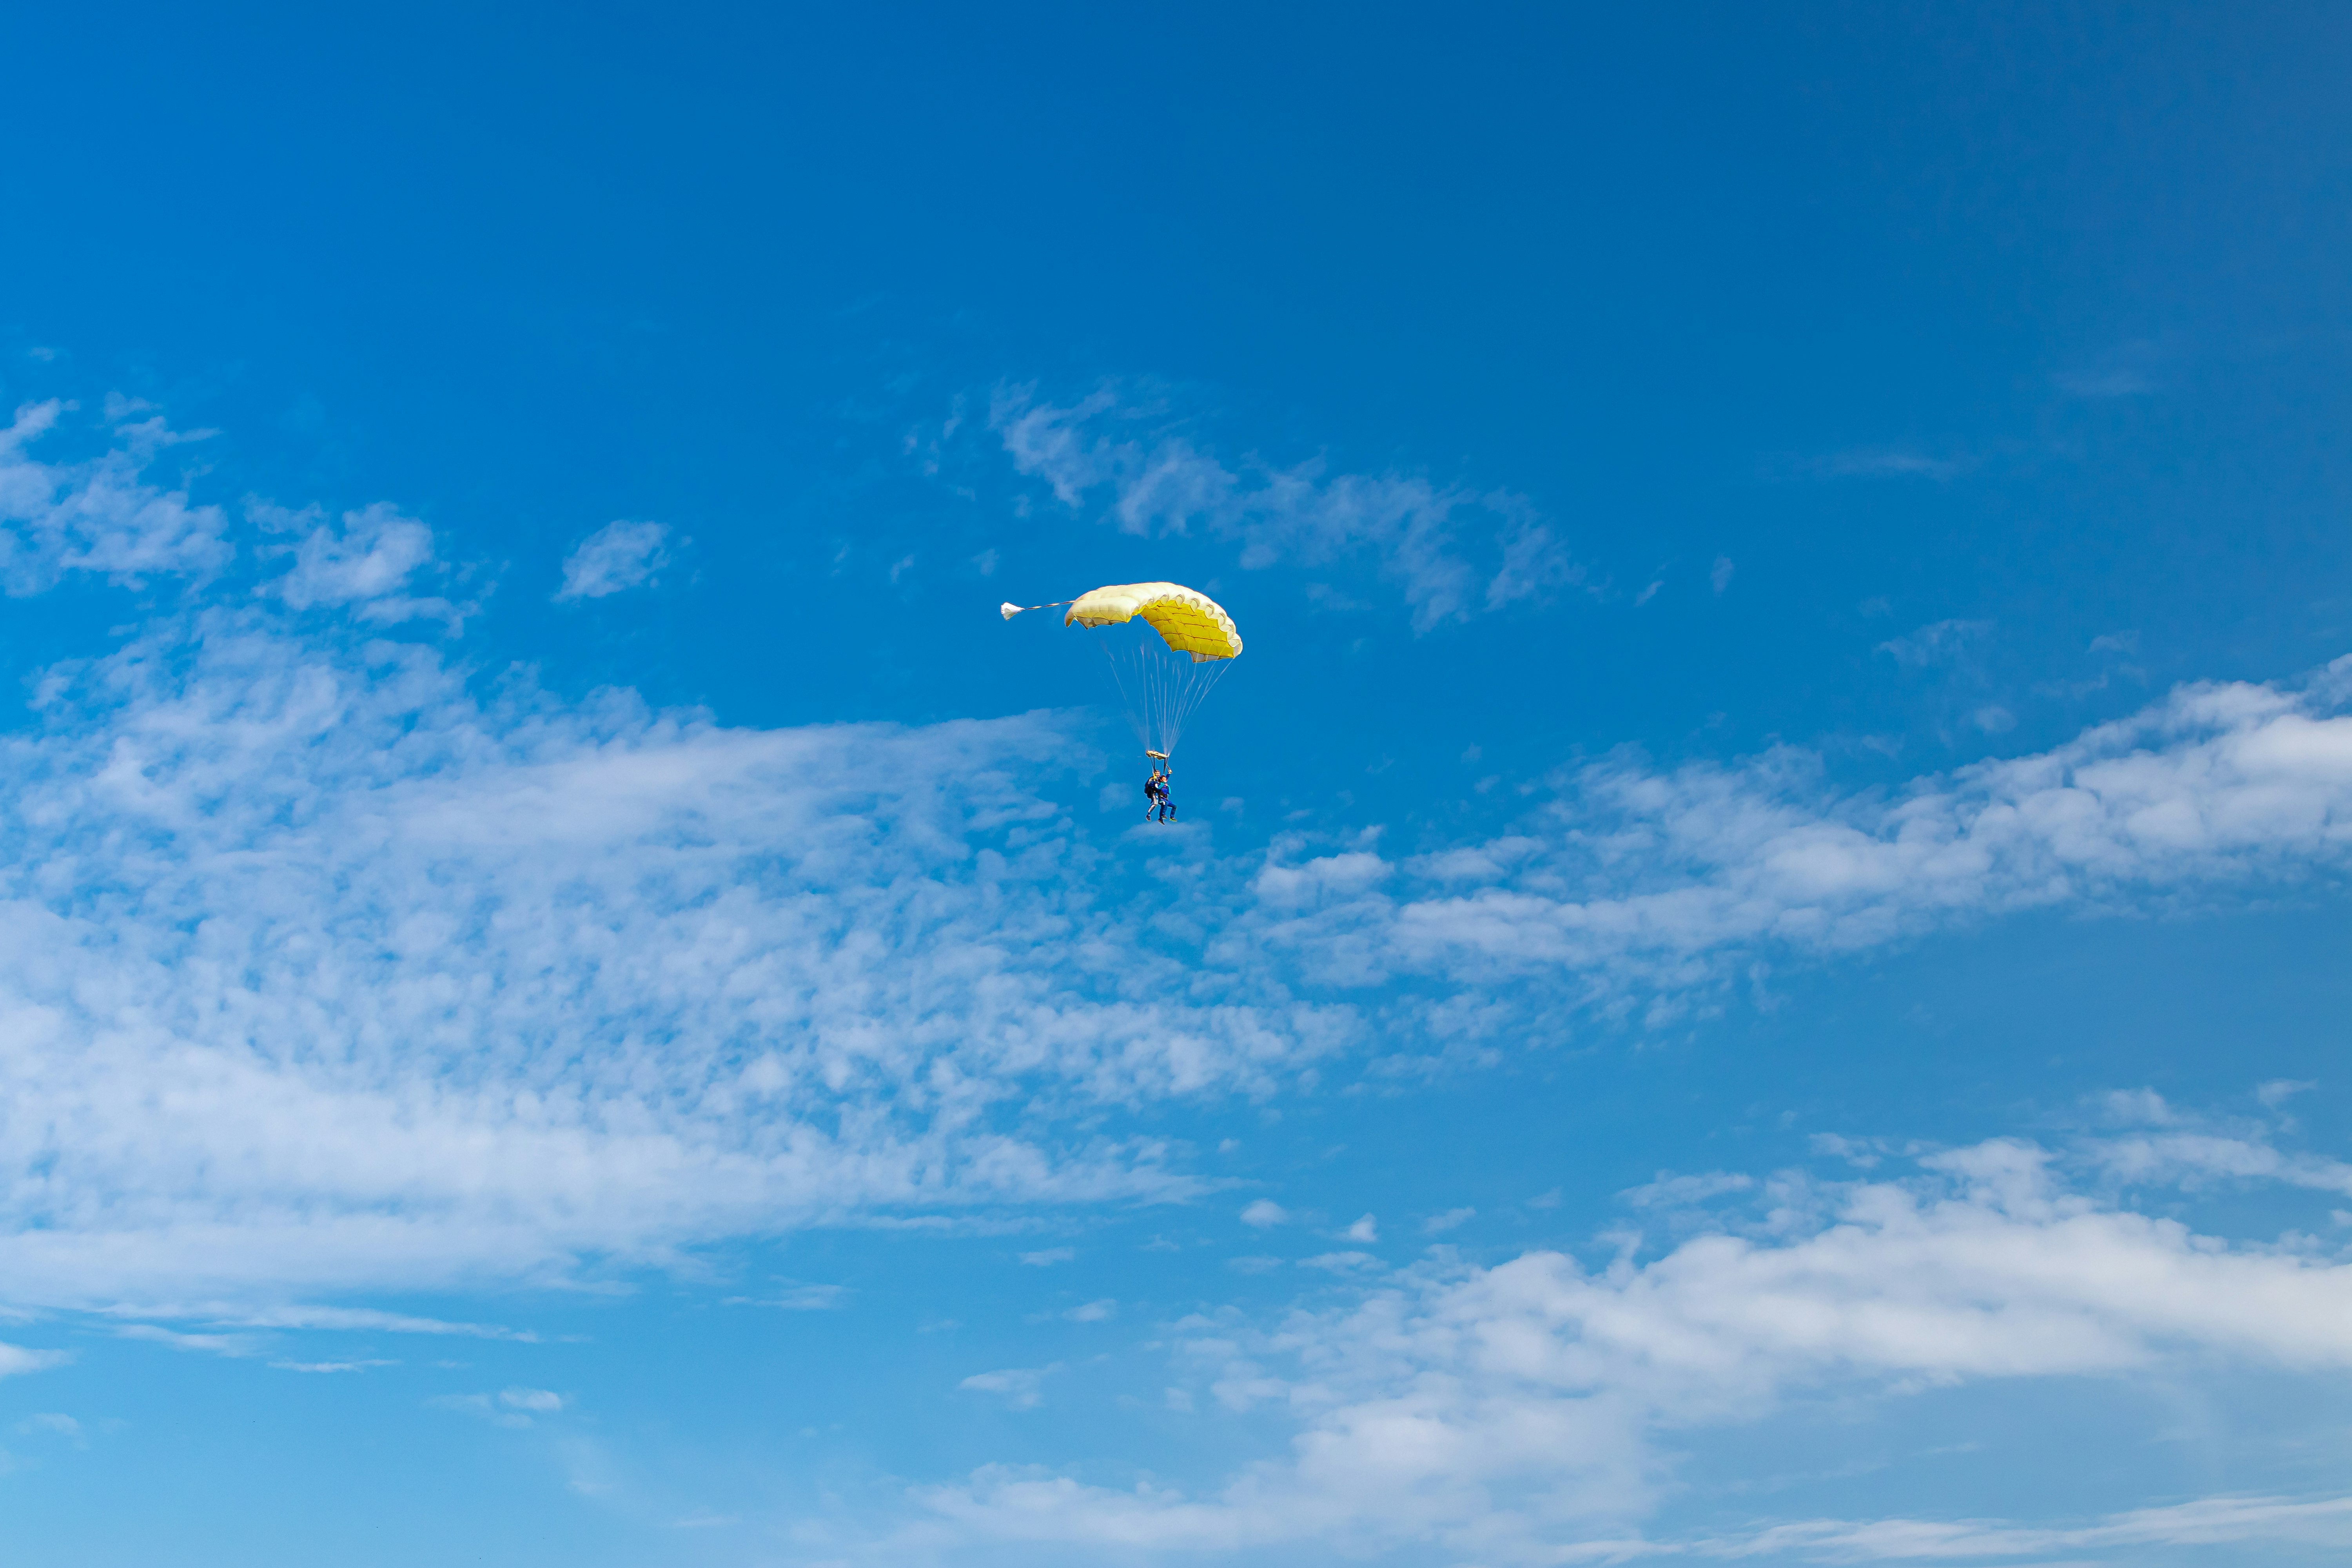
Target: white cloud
pixel 2196 1159
pixel 16 1359
pixel 361 1319
pixel 1524 1412
pixel 1889 463
pixel 1628 879
pixel 99 516
pixel 801 1299
pixel 2206 1521
pixel 2136 1108
pixel 1365 1229
pixel 513 1407
pixel 1454 553
pixel 319 971
pixel 1864 1154
pixel 1452 1219
pixel 1047 1256
pixel 2278 1092
pixel 622 969
pixel 619 556
pixel 1100 1311
pixel 1670 1191
pixel 1022 1388
pixel 365 567
pixel 705 1521
pixel 1941 643
pixel 233 1345
pixel 1341 1262
pixel 2112 382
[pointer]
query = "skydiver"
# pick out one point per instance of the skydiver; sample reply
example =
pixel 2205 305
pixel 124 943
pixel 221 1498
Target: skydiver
pixel 1154 792
pixel 1166 801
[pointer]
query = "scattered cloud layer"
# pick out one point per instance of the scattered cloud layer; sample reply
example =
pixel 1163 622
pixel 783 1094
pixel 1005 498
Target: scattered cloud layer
pixel 328 966
pixel 325 966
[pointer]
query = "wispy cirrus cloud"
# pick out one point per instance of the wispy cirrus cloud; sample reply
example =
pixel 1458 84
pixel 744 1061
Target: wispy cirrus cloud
pixel 1454 551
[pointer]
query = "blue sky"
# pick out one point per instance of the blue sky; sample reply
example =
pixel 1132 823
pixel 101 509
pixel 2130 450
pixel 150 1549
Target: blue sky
pixel 1753 971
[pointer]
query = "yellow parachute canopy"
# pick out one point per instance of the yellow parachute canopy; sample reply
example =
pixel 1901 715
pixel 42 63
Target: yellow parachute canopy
pixel 1161 679
pixel 1187 621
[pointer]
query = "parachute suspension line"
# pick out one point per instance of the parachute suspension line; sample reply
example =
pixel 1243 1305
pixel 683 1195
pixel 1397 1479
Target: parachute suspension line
pixel 1159 688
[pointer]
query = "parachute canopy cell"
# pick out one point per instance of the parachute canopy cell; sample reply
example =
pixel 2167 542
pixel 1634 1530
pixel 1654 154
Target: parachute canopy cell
pixel 1187 621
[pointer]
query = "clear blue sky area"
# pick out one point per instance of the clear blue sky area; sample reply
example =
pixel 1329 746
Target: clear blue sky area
pixel 1752 964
